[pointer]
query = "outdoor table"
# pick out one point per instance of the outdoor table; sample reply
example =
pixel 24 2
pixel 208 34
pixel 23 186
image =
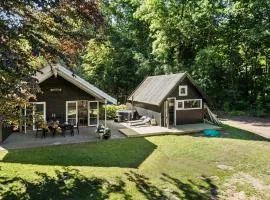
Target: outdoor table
pixel 66 127
pixel 54 126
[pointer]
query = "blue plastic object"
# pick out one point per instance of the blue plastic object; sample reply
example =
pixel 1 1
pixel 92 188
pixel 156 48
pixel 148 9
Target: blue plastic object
pixel 211 133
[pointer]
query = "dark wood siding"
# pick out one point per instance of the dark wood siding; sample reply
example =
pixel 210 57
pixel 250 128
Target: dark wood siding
pixel 193 93
pixel 56 100
pixel 187 116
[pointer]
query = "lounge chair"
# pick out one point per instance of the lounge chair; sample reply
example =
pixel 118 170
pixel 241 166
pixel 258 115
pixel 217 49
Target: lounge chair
pixel 147 120
pixel 139 120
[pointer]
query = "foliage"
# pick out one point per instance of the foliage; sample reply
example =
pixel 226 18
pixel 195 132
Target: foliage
pixel 111 111
pixel 33 33
pixel 224 45
pixel 119 59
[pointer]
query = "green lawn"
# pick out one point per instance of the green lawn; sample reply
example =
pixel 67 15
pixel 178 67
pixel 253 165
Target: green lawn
pixel 161 167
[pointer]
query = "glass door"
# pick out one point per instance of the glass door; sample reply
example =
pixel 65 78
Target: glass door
pixel 72 112
pixel 93 116
pixel 83 113
pixel 39 113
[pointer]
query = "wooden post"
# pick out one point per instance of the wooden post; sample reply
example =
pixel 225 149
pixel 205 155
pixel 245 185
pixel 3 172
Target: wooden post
pixel 132 107
pixel 105 120
pixel 167 113
pixel 25 118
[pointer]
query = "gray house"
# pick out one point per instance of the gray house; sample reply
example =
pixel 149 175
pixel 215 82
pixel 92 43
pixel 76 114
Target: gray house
pixel 170 99
pixel 65 97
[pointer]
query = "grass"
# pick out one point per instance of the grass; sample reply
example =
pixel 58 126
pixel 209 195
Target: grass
pixel 160 167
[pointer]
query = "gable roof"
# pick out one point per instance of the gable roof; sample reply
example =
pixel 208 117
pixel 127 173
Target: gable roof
pixel 60 70
pixel 155 89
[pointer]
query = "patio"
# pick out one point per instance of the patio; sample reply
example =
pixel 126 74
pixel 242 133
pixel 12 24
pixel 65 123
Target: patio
pixel 87 134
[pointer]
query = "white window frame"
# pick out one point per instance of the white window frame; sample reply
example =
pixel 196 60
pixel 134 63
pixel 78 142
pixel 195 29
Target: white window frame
pixel 67 102
pixel 183 87
pixel 34 112
pixel 183 104
pixel 89 124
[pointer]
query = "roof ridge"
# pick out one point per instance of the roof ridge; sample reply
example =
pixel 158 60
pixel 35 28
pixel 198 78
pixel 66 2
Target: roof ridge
pixel 181 73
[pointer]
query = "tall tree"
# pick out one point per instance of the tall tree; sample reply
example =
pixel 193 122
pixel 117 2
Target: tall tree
pixel 35 29
pixel 121 57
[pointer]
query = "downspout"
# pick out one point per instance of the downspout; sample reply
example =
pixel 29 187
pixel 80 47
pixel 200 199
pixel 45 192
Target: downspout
pixel 25 118
pixel 132 106
pixel 105 108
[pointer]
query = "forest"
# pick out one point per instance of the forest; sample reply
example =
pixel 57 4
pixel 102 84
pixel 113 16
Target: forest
pixel 223 44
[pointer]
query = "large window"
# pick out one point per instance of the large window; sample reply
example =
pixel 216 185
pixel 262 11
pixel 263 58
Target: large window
pixel 183 90
pixel 189 104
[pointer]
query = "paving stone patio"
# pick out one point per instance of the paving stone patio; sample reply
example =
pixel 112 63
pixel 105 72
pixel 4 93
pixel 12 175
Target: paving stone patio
pixel 87 134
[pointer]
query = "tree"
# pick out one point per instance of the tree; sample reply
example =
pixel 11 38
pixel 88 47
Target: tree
pixel 119 59
pixel 37 32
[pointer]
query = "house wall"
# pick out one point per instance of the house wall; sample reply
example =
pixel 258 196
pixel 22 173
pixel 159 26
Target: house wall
pixel 187 116
pixel 56 100
pixel 148 110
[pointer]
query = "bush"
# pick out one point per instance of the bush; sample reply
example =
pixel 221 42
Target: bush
pixel 259 111
pixel 237 113
pixel 111 111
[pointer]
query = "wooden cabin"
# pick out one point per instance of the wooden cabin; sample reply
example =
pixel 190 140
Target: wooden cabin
pixel 65 97
pixel 172 99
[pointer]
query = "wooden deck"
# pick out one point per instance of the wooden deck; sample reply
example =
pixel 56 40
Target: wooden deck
pixel 144 131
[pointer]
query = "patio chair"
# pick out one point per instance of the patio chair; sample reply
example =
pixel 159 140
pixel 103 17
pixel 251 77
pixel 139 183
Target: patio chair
pixel 77 128
pixel 39 128
pixel 139 120
pixel 147 120
pixel 102 132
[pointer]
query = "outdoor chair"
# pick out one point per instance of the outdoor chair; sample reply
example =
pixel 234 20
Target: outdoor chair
pixel 39 129
pixel 139 120
pixel 102 132
pixel 144 122
pixel 77 128
pixel 67 127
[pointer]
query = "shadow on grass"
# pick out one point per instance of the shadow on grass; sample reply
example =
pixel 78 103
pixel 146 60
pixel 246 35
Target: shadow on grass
pixel 236 133
pixel 71 184
pixel 190 190
pixel 115 153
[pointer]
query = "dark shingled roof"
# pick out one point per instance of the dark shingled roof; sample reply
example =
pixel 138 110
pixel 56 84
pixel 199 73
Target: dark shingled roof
pixel 155 88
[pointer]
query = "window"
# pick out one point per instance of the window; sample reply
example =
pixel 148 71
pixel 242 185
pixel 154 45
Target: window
pixel 189 104
pixel 180 105
pixel 183 90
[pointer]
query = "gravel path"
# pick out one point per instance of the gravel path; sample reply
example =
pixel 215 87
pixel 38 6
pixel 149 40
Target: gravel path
pixel 260 126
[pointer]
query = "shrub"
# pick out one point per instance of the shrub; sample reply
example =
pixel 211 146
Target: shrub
pixel 111 111
pixel 258 111
pixel 237 113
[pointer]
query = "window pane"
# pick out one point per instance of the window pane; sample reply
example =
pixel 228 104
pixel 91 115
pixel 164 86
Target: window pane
pixel 93 105
pixel 72 111
pixel 183 90
pixel 192 104
pixel 180 104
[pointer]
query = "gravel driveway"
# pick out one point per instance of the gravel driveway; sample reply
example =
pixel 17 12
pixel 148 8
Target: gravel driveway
pixel 260 126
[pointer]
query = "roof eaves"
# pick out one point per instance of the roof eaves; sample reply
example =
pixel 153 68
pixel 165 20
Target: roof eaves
pixel 89 88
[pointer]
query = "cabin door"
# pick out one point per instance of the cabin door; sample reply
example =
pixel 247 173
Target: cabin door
pixel 93 113
pixel 72 112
